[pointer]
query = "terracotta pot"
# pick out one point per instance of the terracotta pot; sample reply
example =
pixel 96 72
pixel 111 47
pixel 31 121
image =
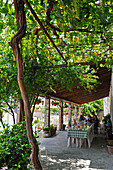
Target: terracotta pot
pixel 110 149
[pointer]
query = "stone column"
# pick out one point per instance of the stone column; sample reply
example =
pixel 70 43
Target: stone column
pixel 47 113
pixel 79 110
pixel 75 112
pixel 70 115
pixel 61 116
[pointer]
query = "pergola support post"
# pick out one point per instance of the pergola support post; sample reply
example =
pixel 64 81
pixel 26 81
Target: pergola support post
pixel 47 112
pixel 75 112
pixel 70 116
pixel 61 116
pixel 79 110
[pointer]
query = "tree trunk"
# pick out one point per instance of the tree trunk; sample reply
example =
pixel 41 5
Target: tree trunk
pixel 21 111
pixel 21 25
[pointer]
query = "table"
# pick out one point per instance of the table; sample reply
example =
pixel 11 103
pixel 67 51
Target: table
pixel 81 135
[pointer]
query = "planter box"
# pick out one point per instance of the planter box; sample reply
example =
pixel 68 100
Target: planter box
pixel 50 132
pixel 110 149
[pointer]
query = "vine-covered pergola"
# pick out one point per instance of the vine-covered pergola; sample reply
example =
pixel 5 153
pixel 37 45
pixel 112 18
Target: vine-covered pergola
pixel 79 95
pixel 52 42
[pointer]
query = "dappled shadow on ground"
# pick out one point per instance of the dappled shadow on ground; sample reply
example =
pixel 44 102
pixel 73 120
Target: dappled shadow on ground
pixel 54 162
pixel 60 157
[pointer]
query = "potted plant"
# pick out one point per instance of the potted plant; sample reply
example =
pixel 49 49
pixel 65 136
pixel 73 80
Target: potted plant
pixel 46 130
pixel 65 106
pixel 52 130
pixel 73 107
pixel 54 103
pixel 38 101
pixel 110 145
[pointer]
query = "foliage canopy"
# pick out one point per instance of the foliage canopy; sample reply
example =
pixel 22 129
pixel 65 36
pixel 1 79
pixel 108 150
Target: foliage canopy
pixel 79 31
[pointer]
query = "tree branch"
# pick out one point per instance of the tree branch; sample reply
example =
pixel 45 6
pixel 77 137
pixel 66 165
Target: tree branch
pixel 34 105
pixel 40 23
pixel 7 111
pixel 11 111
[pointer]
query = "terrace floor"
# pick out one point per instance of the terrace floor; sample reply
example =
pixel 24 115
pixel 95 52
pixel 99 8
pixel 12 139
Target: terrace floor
pixel 61 157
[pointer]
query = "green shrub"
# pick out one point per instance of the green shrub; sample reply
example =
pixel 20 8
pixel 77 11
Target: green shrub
pixel 14 147
pixel 36 121
pixel 93 106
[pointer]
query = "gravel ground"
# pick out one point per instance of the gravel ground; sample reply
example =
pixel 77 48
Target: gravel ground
pixel 61 157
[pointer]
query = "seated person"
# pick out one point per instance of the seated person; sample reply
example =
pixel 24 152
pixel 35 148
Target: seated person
pixel 89 118
pixel 93 114
pixel 96 123
pixel 81 118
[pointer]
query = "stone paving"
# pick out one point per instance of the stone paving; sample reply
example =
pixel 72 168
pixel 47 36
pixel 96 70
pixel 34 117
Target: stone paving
pixel 61 157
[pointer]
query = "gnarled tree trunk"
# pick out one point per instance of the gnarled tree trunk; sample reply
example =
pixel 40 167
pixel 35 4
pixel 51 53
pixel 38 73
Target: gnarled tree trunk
pixel 21 25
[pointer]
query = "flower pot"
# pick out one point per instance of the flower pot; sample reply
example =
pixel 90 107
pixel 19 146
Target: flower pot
pixel 110 149
pixel 50 132
pixel 54 131
pixel 110 142
pixel 46 131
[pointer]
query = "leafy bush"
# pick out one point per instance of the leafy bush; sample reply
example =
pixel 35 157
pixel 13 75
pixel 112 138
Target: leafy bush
pixel 36 121
pixel 14 147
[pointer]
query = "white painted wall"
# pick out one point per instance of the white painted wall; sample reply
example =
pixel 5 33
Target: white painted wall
pixel 106 101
